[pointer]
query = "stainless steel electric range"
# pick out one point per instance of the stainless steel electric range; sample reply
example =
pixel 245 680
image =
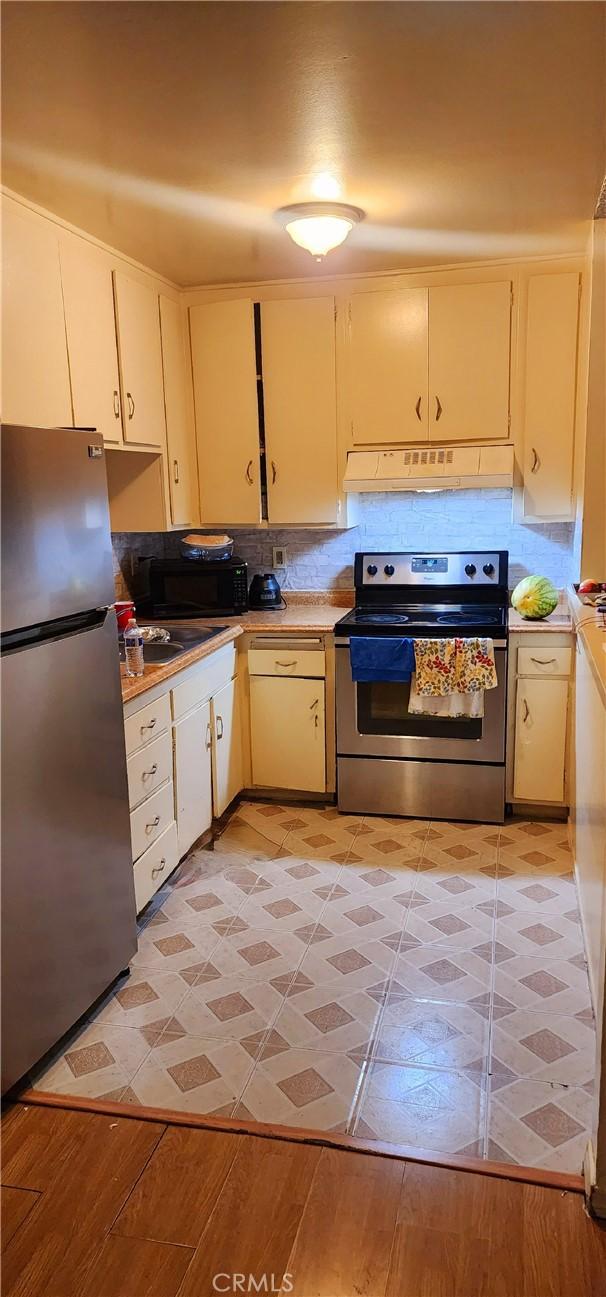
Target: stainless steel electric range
pixel 392 762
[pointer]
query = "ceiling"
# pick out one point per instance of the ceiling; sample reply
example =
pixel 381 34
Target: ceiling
pixel 173 130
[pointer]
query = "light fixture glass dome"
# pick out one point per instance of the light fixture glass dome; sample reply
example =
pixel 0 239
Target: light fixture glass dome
pixel 319 227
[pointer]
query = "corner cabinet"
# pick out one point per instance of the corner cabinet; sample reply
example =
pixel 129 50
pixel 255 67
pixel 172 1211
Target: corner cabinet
pixel 539 686
pixel 429 364
pixel 35 372
pixel 265 405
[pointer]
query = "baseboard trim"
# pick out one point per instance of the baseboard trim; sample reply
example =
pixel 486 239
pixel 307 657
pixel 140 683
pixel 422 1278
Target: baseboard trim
pixel 561 1180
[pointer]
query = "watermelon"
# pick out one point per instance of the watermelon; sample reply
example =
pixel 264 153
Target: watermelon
pixel 534 597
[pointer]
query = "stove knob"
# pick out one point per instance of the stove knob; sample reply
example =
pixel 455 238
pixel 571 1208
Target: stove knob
pixel 372 569
pixel 488 569
pixel 470 569
pixel 389 569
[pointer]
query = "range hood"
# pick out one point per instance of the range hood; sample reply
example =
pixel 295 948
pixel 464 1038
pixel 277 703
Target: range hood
pixel 429 468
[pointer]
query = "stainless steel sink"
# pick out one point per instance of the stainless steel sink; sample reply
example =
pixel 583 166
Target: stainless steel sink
pixel 182 639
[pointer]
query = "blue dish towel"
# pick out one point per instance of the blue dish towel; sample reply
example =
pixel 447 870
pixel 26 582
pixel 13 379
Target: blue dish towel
pixel 381 658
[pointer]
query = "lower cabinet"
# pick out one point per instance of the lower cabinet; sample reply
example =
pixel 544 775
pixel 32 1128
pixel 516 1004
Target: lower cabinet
pixel 287 723
pixel 192 744
pixel 226 746
pixel 155 865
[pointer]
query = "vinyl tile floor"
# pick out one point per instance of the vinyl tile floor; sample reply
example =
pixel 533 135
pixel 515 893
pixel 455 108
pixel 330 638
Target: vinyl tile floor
pixel 419 982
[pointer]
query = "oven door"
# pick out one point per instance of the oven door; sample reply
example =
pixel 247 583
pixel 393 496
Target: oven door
pixel 373 720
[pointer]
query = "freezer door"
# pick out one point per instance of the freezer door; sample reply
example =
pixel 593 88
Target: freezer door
pixel 56 543
pixel 68 905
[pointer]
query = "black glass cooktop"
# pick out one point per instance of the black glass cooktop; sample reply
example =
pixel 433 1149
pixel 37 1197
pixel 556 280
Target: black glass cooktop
pixel 417 619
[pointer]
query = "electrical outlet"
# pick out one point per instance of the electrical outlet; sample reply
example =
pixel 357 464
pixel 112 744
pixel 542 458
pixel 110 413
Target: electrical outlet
pixel 278 556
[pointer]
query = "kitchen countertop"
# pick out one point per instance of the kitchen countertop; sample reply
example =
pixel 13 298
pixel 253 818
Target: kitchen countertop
pixel 314 612
pixel 593 635
pixel 155 674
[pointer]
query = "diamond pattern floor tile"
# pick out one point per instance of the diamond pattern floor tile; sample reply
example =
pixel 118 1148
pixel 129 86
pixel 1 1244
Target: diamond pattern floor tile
pixel 420 982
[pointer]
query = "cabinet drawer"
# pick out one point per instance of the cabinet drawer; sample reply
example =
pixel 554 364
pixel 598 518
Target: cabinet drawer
pixel 149 769
pixel 287 662
pixel 544 661
pixel 151 818
pixel 206 679
pixel 147 724
pixel 154 866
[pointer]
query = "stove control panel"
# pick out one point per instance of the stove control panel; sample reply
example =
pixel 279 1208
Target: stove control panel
pixel 467 569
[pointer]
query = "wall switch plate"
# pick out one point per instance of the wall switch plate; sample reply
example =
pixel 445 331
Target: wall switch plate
pixel 278 556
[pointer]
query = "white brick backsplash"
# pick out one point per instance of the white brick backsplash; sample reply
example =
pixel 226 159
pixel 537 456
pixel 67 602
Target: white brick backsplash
pixel 320 560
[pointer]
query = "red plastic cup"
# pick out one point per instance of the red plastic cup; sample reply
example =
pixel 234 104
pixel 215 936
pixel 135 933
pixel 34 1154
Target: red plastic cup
pixel 125 609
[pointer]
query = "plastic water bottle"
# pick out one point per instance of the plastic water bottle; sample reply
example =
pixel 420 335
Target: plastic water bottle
pixel 133 649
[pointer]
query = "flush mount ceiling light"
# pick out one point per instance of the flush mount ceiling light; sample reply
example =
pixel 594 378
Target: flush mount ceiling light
pixel 319 227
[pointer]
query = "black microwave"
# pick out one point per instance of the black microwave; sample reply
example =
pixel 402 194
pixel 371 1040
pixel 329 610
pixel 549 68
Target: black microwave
pixel 186 587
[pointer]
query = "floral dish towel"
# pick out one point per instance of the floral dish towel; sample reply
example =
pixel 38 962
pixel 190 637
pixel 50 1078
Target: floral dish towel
pixel 449 666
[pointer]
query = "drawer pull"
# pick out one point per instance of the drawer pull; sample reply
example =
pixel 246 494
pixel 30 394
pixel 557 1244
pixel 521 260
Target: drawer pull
pixel 159 869
pixel 286 664
pixel 153 824
pixel 219 722
pixel 150 724
pixel 314 704
pixel 147 774
pixel 544 662
pixel 526 711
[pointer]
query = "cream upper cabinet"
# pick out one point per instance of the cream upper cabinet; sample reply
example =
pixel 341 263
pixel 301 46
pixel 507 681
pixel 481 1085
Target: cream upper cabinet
pixel 299 394
pixel 387 362
pixel 550 396
pixel 35 373
pixel 91 339
pixel 469 360
pixel 140 350
pixel 227 766
pixel 180 435
pixel 225 398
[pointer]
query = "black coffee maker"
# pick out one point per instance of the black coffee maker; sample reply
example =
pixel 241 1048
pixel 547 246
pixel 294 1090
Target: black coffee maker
pixel 265 592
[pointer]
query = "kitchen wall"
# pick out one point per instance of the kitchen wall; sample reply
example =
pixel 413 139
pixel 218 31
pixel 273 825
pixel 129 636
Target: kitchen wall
pixel 320 560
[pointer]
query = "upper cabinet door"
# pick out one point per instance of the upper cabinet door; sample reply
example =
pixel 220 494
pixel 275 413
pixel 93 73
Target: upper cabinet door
pixel 35 373
pixel 299 399
pixel 388 366
pixel 91 339
pixel 550 396
pixel 140 350
pixel 469 349
pixel 180 435
pixel 225 398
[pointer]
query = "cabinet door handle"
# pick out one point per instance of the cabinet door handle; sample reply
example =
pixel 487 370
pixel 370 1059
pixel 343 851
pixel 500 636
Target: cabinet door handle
pixel 131 405
pixel 526 711
pixel 153 824
pixel 116 404
pixel 418 409
pixel 175 470
pixel 209 737
pixel 147 774
pixel 536 461
pixel 248 473
pixel 219 722
pixel 438 408
pixel 274 472
pixel 544 662
pixel 159 869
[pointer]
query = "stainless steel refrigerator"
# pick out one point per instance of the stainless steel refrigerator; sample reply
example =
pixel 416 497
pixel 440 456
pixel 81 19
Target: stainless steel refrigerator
pixel 68 906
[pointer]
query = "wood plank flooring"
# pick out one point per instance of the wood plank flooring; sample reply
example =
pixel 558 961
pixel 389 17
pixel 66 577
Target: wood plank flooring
pixel 98 1205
